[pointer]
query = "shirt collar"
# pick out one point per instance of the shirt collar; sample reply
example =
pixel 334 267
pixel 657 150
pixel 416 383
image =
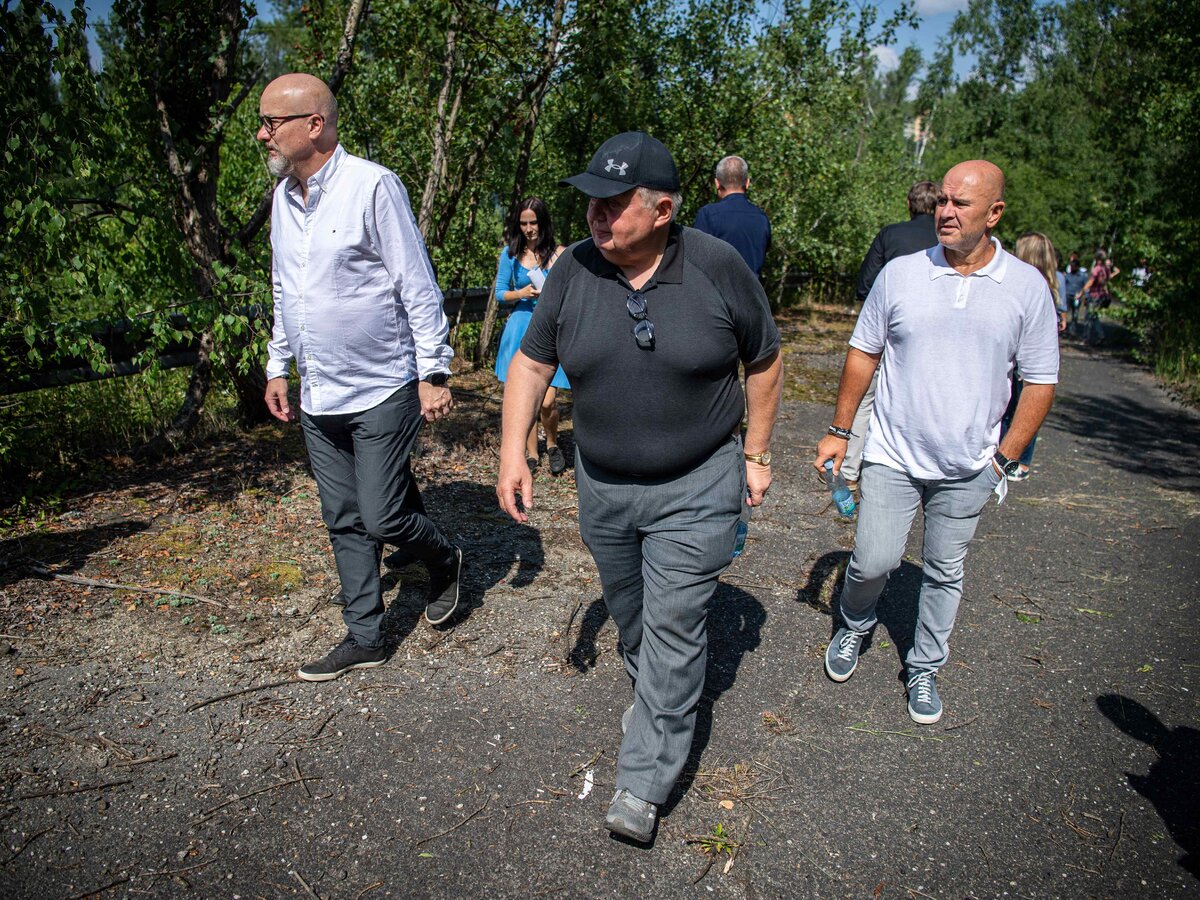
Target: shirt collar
pixel 994 270
pixel 322 175
pixel 670 267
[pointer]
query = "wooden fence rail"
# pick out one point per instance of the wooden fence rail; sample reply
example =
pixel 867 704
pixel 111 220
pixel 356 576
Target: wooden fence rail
pixel 124 342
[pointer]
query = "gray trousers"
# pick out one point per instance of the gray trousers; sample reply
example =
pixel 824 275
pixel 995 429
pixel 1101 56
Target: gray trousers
pixel 660 545
pixel 368 498
pixel 852 464
pixel 889 502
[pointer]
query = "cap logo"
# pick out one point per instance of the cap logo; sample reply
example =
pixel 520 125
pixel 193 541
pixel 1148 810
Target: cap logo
pixel 612 166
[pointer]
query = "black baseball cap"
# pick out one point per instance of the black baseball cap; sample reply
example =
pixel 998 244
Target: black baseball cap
pixel 629 160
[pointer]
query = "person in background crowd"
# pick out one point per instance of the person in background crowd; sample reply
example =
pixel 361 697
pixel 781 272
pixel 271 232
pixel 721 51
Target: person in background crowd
pixel 899 239
pixel 651 321
pixel 1074 279
pixel 949 324
pixel 1096 292
pixel 359 312
pixel 529 252
pixel 1036 249
pixel 733 218
pixel 1141 274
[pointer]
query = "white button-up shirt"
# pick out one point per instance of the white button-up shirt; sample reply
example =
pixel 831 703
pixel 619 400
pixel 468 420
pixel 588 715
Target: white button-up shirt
pixel 356 303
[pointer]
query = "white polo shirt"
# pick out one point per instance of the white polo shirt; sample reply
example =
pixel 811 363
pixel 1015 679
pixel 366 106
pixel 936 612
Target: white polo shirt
pixel 951 341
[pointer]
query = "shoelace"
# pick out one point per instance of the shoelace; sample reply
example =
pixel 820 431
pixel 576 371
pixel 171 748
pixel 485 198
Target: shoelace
pixel 848 641
pixel 924 685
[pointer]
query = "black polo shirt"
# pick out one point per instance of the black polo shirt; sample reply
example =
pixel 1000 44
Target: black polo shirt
pixel 653 412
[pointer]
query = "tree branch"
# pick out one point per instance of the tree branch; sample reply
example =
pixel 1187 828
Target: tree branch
pixel 345 54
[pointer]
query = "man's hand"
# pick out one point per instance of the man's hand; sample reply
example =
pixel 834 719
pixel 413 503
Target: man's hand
pixel 758 479
pixel 436 400
pixel 830 447
pixel 514 487
pixel 277 400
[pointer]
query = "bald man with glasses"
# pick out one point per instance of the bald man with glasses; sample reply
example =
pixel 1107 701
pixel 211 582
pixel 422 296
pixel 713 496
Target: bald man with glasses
pixel 651 321
pixel 357 310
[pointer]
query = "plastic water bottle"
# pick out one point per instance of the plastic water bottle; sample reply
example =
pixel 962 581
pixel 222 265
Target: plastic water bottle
pixel 743 528
pixel 842 498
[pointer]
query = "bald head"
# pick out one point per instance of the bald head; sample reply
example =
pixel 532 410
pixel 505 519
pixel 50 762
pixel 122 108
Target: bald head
pixel 980 174
pixel 969 207
pixel 302 94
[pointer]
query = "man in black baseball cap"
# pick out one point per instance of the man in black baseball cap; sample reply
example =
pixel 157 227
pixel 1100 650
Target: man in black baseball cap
pixel 632 159
pixel 649 321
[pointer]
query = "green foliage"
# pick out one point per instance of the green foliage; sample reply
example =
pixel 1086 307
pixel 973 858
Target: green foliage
pixel 1088 105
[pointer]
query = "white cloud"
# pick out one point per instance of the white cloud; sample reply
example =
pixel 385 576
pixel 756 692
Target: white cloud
pixel 887 58
pixel 937 7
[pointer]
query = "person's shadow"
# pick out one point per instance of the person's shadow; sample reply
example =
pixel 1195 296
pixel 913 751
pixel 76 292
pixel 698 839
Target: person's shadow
pixel 1172 783
pixel 491 544
pixel 60 552
pixel 896 610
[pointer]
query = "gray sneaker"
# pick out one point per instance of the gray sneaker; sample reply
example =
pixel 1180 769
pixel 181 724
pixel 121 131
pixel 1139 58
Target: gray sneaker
pixel 630 817
pixel 626 718
pixel 841 656
pixel 924 704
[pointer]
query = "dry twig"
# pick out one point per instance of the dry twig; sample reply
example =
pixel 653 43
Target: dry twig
pixel 75 790
pixel 454 827
pixel 238 693
pixel 115 586
pixel 209 813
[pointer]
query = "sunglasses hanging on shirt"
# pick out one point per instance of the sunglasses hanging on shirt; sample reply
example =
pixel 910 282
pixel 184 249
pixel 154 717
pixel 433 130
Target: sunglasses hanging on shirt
pixel 643 328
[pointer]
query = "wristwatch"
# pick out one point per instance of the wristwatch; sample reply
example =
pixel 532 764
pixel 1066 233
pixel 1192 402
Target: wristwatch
pixel 763 459
pixel 1008 466
pixel 437 379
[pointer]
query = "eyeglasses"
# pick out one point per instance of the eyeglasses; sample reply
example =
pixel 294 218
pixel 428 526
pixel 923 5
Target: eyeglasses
pixel 272 123
pixel 643 328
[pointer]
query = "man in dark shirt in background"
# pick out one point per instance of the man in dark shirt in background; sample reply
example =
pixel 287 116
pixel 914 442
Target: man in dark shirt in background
pixel 733 218
pixel 900 239
pixel 650 321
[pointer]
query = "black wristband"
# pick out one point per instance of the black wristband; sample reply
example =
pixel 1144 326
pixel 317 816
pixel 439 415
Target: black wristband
pixel 844 433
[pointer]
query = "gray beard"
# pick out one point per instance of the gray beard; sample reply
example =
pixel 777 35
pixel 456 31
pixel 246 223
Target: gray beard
pixel 280 166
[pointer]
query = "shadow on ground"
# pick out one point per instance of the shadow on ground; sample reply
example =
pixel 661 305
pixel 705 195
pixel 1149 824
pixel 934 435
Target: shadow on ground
pixel 735 622
pixel 486 561
pixel 1172 783
pixel 1136 435
pixel 897 608
pixel 62 552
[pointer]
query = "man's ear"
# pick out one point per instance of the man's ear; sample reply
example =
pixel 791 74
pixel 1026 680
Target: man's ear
pixel 995 213
pixel 663 212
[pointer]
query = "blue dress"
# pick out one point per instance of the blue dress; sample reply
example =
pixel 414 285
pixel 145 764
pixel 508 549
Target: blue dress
pixel 512 276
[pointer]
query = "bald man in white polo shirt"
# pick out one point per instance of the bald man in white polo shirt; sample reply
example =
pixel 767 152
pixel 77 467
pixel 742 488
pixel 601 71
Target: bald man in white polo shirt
pixel 954 320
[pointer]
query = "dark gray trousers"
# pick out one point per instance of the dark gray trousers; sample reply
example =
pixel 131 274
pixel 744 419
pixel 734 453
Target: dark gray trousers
pixel 368 498
pixel 660 545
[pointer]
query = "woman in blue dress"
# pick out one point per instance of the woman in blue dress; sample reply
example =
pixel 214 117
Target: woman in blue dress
pixel 528 254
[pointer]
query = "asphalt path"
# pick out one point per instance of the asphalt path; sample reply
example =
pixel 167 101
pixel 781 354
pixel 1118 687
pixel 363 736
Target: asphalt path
pixel 1066 765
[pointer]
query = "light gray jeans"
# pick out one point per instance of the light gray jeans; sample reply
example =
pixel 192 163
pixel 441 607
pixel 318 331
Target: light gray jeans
pixel 889 501
pixel 659 545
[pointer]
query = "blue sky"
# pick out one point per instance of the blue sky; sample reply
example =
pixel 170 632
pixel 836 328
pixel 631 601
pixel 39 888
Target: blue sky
pixel 936 16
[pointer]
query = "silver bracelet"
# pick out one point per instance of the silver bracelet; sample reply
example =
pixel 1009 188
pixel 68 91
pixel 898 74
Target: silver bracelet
pixel 844 433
